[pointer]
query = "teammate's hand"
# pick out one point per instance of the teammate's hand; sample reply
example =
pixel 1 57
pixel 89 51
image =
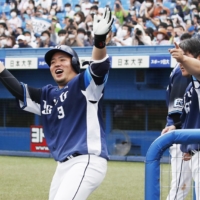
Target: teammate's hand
pixel 186 156
pixel 177 53
pixel 167 129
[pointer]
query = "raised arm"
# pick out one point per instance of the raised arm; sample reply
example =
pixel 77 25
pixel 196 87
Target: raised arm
pixel 101 29
pixel 14 86
pixel 192 65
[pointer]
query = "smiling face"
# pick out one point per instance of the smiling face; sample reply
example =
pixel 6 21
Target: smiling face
pixel 61 68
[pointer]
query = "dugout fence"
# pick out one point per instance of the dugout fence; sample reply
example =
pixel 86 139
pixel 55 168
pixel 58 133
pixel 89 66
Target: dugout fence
pixel 155 153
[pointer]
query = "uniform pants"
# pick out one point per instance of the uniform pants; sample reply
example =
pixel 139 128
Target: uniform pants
pixel 78 177
pixel 181 175
pixel 194 164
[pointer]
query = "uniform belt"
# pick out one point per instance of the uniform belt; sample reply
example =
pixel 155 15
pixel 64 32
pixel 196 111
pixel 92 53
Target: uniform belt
pixel 70 157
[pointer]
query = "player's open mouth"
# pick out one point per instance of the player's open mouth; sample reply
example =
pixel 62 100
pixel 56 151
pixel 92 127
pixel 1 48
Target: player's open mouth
pixel 59 71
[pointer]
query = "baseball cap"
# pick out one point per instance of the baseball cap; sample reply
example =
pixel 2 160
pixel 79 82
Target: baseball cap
pixel 21 37
pixel 67 50
pixel 191 28
pixel 54 18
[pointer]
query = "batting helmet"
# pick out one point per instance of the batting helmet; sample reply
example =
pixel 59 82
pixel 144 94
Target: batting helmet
pixel 65 49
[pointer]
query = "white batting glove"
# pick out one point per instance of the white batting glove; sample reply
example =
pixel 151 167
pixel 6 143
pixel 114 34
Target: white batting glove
pixel 102 27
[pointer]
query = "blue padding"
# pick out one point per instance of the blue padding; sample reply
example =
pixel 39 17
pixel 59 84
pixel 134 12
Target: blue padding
pixel 155 152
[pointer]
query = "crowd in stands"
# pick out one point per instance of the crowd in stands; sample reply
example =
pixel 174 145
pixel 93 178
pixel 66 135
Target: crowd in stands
pixel 47 23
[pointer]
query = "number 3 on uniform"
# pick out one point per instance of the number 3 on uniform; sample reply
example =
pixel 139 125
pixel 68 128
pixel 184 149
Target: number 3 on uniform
pixel 61 113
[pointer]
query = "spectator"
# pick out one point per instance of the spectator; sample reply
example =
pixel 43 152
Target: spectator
pixel 109 40
pixel 55 24
pixel 30 39
pixel 146 9
pixel 45 40
pixel 185 8
pixel 79 19
pixel 22 6
pixel 191 31
pixel 126 39
pixel 162 25
pixel 31 6
pixel 22 43
pixel 158 7
pixel 134 5
pixel 85 7
pixel 39 13
pixel 28 14
pixel 140 37
pixel 18 31
pixel 3 28
pixel 133 13
pixel 163 16
pixel 195 21
pixel 45 4
pixel 119 11
pixel 15 21
pixel 66 22
pixel 10 42
pixel 95 3
pixel 177 21
pixel 141 21
pixel 3 40
pixel 90 16
pixel 71 38
pixel 14 6
pixel 89 37
pixel 169 21
pixel 178 31
pixel 170 33
pixel 77 8
pixel 68 10
pixel 61 36
pixel 161 37
pixel 57 5
pixel 52 13
pixel 149 32
pixel 37 40
pixel 81 33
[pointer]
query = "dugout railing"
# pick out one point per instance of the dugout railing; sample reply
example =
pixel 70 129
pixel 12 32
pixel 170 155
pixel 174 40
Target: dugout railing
pixel 155 153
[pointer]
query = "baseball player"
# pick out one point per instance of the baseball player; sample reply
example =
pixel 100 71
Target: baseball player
pixel 71 114
pixel 188 55
pixel 181 178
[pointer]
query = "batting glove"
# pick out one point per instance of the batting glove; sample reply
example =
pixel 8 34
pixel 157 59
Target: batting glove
pixel 101 28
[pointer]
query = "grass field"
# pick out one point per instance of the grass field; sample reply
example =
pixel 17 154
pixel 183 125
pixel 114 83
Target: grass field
pixel 23 178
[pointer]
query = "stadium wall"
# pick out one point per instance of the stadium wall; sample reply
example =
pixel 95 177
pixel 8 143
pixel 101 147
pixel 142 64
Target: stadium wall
pixel 139 76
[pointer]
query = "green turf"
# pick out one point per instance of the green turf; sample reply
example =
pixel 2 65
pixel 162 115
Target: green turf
pixel 23 178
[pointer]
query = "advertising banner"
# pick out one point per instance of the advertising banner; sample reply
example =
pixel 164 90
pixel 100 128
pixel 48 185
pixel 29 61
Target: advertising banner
pixel 130 61
pixel 38 142
pixel 21 63
pixel 159 61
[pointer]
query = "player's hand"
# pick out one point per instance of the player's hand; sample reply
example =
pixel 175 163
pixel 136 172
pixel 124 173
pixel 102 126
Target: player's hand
pixel 103 26
pixel 167 129
pixel 177 53
pixel 186 156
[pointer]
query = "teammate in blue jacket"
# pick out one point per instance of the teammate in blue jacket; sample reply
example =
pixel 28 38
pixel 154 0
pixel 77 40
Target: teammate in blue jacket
pixel 72 114
pixel 181 177
pixel 188 55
